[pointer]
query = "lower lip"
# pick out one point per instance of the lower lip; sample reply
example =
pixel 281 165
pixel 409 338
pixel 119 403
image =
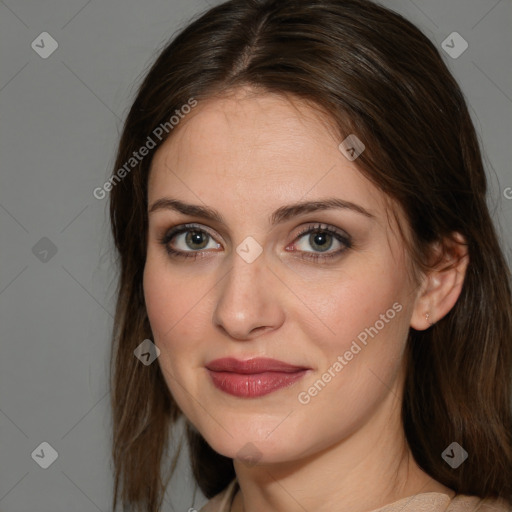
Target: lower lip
pixel 254 384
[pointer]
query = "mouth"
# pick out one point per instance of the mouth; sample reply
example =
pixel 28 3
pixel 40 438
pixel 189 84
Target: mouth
pixel 254 377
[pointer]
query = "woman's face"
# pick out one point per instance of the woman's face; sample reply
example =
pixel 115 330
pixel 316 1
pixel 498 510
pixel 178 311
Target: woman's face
pixel 250 282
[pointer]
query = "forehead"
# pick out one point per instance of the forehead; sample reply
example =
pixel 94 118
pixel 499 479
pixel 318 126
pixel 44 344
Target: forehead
pixel 257 144
pixel 245 121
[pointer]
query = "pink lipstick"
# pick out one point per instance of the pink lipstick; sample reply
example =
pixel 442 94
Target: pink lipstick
pixel 254 377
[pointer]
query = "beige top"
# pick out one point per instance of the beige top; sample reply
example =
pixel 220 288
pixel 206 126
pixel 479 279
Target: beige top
pixel 423 502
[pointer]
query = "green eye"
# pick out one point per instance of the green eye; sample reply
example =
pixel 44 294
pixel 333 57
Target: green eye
pixel 191 241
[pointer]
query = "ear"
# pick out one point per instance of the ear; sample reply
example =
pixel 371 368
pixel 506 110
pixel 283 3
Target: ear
pixel 441 286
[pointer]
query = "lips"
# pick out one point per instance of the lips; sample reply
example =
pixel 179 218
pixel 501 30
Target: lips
pixel 253 377
pixel 257 365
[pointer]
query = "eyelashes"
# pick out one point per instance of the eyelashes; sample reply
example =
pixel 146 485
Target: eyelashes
pixel 320 235
pixel 191 229
pixel 317 234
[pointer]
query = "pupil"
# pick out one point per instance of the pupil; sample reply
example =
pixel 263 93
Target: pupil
pixel 196 238
pixel 319 240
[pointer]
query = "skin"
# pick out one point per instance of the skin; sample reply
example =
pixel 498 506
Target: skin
pixel 246 155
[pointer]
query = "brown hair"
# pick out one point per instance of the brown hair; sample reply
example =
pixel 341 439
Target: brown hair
pixel 378 76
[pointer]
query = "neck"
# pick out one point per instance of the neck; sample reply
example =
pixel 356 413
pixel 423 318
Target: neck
pixel 366 470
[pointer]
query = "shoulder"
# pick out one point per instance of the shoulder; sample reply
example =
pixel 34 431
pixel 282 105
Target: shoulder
pixel 461 503
pixel 221 502
pixel 440 502
pixel 464 503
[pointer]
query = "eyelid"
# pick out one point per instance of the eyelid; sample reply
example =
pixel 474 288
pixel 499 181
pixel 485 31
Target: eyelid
pixel 322 227
pixel 181 228
pixel 340 235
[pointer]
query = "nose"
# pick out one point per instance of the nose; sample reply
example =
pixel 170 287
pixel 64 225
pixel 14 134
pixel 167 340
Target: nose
pixel 248 301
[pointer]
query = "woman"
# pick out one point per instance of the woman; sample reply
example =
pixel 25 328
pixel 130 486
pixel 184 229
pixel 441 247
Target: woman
pixel 299 208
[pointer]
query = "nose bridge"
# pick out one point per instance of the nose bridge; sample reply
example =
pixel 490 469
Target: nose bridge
pixel 240 291
pixel 246 300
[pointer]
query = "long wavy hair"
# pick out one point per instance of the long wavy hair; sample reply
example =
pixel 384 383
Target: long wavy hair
pixel 374 74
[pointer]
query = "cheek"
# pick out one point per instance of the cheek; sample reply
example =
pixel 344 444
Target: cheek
pixel 161 305
pixel 353 312
pixel 169 300
pixel 364 299
pixel 177 304
pixel 359 355
pixel 173 308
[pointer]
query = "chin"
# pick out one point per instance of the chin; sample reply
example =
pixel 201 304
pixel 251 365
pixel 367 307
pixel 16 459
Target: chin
pixel 251 448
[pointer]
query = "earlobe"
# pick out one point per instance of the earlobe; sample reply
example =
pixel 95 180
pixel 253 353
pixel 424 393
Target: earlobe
pixel 442 284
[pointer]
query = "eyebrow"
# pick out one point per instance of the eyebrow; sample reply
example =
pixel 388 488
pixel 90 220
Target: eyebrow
pixel 282 214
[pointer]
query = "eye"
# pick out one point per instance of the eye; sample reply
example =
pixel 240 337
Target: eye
pixel 321 238
pixel 188 241
pixel 192 241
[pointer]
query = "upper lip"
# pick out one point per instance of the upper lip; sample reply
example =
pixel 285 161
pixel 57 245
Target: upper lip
pixel 256 365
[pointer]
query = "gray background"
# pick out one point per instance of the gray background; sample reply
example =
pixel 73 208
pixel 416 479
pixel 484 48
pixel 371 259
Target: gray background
pixel 60 122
